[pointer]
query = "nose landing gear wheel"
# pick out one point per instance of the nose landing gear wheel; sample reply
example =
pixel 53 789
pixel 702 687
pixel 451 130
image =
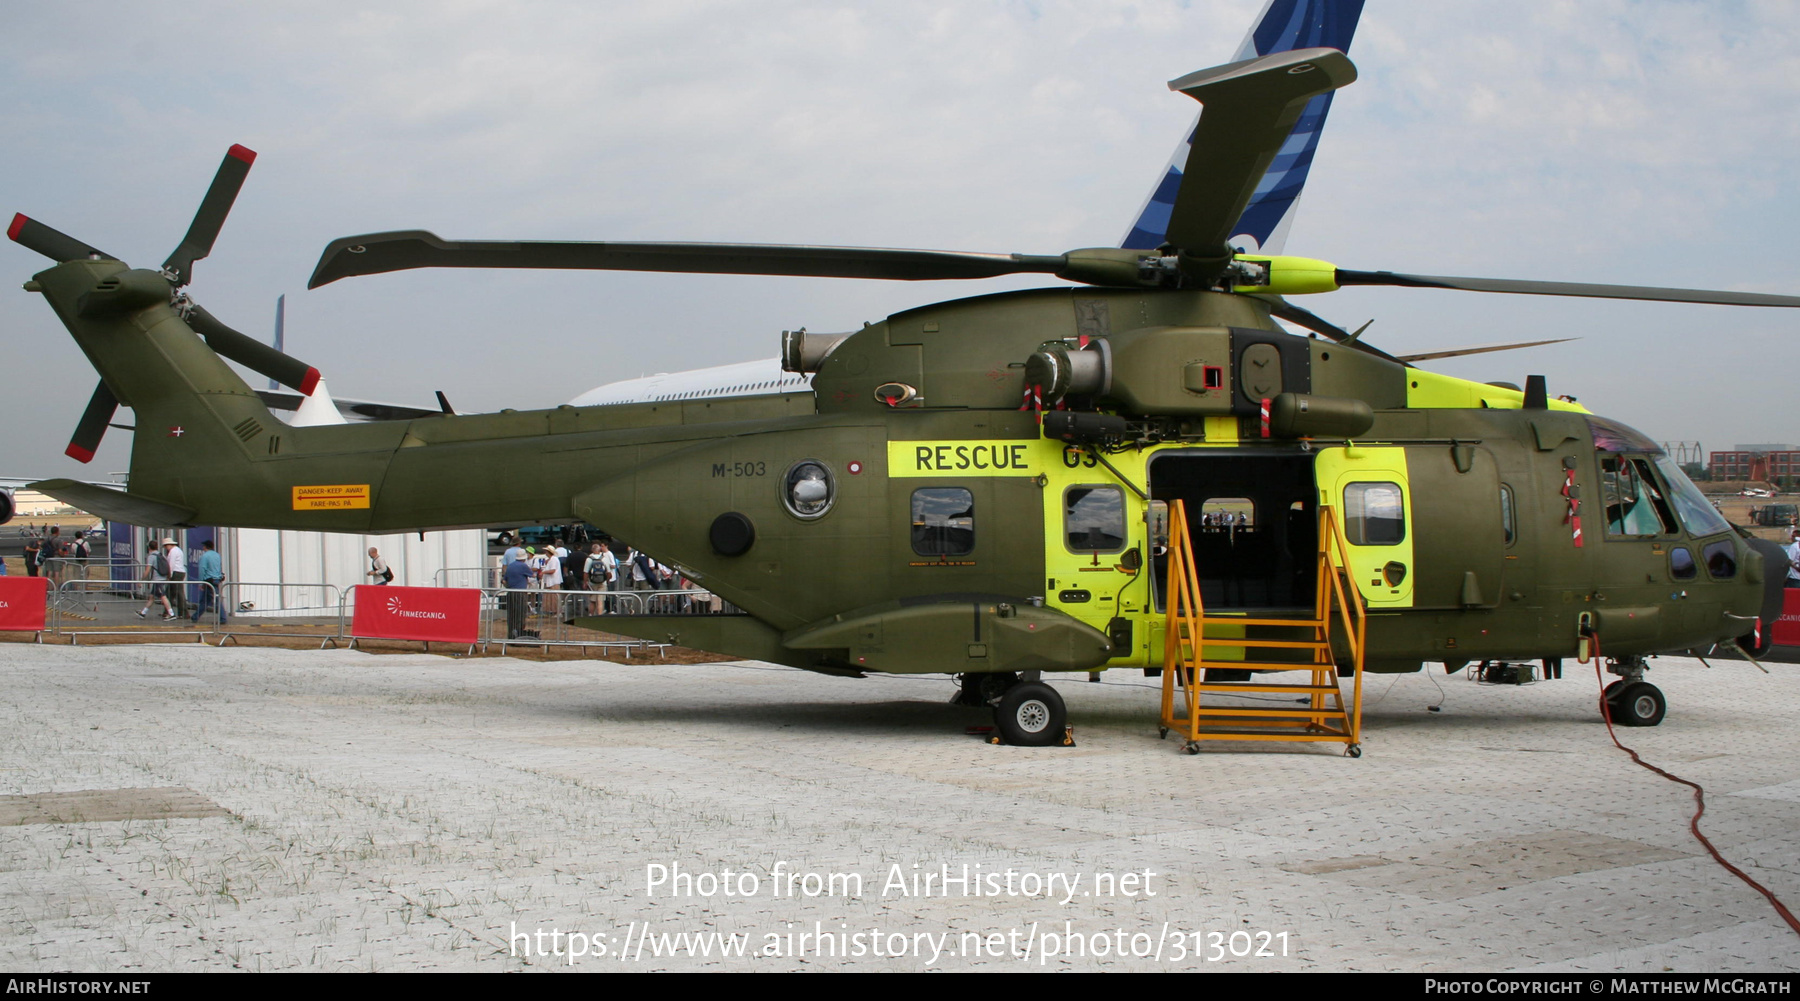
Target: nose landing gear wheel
pixel 1637 704
pixel 1031 715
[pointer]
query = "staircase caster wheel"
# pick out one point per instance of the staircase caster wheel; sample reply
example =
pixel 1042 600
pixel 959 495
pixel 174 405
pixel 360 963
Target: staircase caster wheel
pixel 1638 704
pixel 1191 747
pixel 1031 715
pixel 1354 750
pixel 1162 733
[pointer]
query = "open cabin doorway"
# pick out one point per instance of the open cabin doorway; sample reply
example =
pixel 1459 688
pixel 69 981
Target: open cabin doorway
pixel 1253 519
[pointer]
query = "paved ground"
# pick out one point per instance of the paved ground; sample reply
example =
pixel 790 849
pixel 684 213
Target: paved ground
pixel 335 810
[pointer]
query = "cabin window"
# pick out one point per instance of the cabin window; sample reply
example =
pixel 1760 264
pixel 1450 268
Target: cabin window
pixel 1681 564
pixel 1508 522
pixel 1634 502
pixel 808 489
pixel 1721 559
pixel 1374 514
pixel 1094 519
pixel 943 521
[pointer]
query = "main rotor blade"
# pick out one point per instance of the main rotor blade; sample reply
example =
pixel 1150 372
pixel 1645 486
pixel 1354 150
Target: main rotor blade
pixel 211 217
pixel 92 426
pixel 1706 296
pixel 377 253
pixel 254 354
pixel 1250 108
pixel 59 247
pixel 1479 349
pixel 1300 317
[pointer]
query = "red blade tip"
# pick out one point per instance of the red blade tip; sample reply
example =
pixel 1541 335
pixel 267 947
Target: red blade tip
pixel 78 453
pixel 309 383
pixel 18 223
pixel 245 154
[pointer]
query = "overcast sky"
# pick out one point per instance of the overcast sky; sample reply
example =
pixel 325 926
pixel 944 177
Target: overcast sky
pixel 1610 141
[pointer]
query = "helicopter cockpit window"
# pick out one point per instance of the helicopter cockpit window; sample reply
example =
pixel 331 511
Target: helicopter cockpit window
pixel 943 521
pixel 1374 514
pixel 1094 519
pixel 1634 502
pixel 1696 512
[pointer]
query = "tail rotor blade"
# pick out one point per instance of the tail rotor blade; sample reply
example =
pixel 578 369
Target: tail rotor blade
pixel 59 247
pixel 254 354
pixel 211 217
pixel 99 413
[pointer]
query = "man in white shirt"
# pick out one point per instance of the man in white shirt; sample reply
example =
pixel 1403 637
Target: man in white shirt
pixel 177 577
pixel 1793 555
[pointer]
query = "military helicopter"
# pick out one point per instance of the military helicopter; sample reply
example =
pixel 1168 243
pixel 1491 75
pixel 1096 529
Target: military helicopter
pixel 983 487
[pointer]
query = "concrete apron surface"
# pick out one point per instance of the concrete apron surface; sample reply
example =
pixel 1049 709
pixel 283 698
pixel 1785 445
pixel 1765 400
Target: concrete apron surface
pixel 191 808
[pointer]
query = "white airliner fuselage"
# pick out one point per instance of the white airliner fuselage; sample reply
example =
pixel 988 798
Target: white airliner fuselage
pixel 739 379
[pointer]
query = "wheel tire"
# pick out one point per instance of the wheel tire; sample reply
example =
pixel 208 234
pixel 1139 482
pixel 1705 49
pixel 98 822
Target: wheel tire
pixel 1031 715
pixel 1638 704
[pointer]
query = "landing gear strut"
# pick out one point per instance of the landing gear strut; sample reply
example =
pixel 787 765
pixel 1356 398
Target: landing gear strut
pixel 1632 701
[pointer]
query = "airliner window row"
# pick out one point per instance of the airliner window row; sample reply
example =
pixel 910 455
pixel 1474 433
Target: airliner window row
pixel 748 387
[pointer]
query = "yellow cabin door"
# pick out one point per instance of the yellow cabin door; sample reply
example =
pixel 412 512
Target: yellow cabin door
pixel 1093 534
pixel 1368 487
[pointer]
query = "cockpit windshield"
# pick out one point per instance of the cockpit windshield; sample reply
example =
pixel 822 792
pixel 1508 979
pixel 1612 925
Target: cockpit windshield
pixel 1695 511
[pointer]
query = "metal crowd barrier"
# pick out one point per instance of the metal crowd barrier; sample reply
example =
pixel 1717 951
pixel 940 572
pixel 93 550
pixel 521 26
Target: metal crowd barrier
pixel 546 610
pixel 277 605
pixel 486 578
pixel 97 607
pixel 114 609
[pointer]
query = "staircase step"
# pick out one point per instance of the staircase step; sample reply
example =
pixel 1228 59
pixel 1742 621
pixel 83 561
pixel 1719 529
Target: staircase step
pixel 1250 686
pixel 1272 712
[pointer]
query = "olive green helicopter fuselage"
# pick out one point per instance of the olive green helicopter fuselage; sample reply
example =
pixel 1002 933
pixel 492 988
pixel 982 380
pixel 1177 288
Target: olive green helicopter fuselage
pixel 954 533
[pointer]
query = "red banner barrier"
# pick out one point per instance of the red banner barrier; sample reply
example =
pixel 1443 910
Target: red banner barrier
pixel 449 614
pixel 22 603
pixel 1787 629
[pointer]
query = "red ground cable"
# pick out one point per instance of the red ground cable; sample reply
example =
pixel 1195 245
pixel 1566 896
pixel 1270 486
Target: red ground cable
pixel 1699 801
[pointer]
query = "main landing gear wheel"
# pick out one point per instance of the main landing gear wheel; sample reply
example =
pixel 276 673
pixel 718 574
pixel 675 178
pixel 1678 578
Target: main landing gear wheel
pixel 1031 715
pixel 1638 703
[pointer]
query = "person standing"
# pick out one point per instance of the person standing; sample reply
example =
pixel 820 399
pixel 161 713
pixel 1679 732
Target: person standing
pixel 177 577
pixel 31 556
pixel 81 554
pixel 552 580
pixel 614 577
pixel 516 577
pixel 210 569
pixel 51 554
pixel 1793 555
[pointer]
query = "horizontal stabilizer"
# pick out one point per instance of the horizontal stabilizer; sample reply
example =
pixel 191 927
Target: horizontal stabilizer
pixel 116 505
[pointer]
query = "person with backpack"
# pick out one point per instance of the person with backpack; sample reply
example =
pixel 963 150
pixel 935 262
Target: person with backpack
pixel 378 568
pixel 158 576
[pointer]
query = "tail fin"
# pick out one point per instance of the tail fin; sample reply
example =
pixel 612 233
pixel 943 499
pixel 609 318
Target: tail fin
pixel 187 402
pixel 1284 25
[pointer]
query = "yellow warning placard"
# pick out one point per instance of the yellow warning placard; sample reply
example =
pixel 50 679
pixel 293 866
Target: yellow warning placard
pixel 338 497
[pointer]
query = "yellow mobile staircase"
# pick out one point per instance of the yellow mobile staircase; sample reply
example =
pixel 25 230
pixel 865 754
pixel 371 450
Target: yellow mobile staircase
pixel 1191 634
